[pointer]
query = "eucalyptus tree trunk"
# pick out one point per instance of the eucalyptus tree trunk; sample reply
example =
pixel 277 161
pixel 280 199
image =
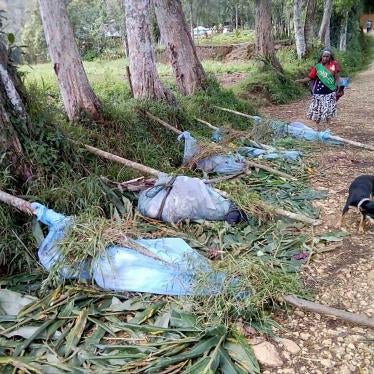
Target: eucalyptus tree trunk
pixel 76 92
pixel 187 68
pixel 145 80
pixel 324 30
pixel 12 112
pixel 310 24
pixel 299 31
pixel 343 33
pixel 264 39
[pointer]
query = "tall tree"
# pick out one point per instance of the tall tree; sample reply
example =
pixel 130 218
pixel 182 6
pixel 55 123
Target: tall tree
pixel 145 80
pixel 324 30
pixel 310 24
pixel 12 112
pixel 299 31
pixel 187 68
pixel 75 89
pixel 264 38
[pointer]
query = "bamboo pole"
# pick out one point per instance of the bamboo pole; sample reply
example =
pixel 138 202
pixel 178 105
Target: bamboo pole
pixel 245 135
pixel 235 112
pixel 351 142
pixel 360 319
pixel 16 202
pixel 123 161
pixel 163 123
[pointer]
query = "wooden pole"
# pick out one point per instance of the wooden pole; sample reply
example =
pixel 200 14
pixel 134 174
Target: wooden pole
pixel 360 319
pixel 245 135
pixel 352 142
pixel 128 75
pixel 163 123
pixel 235 112
pixel 123 161
pixel 20 204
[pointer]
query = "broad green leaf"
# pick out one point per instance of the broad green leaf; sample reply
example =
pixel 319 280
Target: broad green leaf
pixel 163 320
pixel 182 319
pixel 11 37
pixel 143 316
pixel 76 332
pixel 226 364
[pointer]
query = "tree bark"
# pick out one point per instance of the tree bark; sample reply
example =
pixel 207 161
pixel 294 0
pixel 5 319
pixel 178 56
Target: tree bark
pixel 187 68
pixel 324 30
pixel 343 33
pixel 264 38
pixel 76 92
pixel 309 26
pixel 299 31
pixel 146 82
pixel 12 109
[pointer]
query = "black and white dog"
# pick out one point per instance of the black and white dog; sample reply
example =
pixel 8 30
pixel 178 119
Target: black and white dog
pixel 360 196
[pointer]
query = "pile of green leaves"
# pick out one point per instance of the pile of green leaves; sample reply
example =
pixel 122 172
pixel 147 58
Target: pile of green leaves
pixel 84 330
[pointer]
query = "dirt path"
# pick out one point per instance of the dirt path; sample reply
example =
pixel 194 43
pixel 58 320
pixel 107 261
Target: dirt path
pixel 343 277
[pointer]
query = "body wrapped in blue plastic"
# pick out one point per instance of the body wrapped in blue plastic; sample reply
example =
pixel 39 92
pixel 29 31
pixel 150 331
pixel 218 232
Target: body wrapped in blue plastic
pixel 125 269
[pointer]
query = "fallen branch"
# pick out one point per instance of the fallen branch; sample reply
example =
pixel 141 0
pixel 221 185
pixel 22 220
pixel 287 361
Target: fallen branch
pixel 244 135
pixel 310 306
pixel 163 123
pixel 352 142
pixel 123 161
pixel 20 204
pixel 287 214
pixel 235 112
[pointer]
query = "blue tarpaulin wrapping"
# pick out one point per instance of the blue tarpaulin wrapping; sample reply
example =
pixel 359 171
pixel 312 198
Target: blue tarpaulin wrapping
pixel 175 199
pixel 269 154
pixel 218 164
pixel 125 269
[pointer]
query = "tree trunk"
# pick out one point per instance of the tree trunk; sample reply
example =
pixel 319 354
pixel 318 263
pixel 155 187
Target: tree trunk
pixel 75 89
pixel 309 26
pixel 343 33
pixel 146 82
pixel 187 68
pixel 324 30
pixel 236 16
pixel 264 38
pixel 191 18
pixel 299 31
pixel 11 108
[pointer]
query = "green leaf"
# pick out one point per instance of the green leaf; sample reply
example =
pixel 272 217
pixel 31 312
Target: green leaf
pixel 241 352
pixel 163 320
pixel 182 319
pixel 11 38
pixel 143 316
pixel 333 236
pixel 226 364
pixel 76 332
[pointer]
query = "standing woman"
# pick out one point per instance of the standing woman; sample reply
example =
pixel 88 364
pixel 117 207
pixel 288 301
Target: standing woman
pixel 324 78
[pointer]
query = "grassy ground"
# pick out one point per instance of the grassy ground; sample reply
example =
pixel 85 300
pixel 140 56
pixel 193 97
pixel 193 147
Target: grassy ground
pixel 235 37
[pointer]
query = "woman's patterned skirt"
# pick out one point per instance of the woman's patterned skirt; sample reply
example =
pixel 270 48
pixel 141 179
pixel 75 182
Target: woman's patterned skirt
pixel 322 107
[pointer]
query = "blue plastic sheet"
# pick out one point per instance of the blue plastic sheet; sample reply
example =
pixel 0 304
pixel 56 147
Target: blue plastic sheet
pixel 217 164
pixel 269 154
pixel 175 199
pixel 125 269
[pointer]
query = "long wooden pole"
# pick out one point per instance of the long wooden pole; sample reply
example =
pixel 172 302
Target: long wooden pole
pixel 360 319
pixel 123 161
pixel 163 123
pixel 16 202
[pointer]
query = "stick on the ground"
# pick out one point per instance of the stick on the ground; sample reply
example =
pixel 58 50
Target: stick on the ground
pixel 352 142
pixel 123 161
pixel 235 112
pixel 245 135
pixel 163 123
pixel 359 319
pixel 20 204
pixel 294 216
pixel 270 170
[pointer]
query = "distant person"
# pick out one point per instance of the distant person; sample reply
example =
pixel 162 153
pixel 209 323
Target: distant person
pixel 369 25
pixel 324 77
